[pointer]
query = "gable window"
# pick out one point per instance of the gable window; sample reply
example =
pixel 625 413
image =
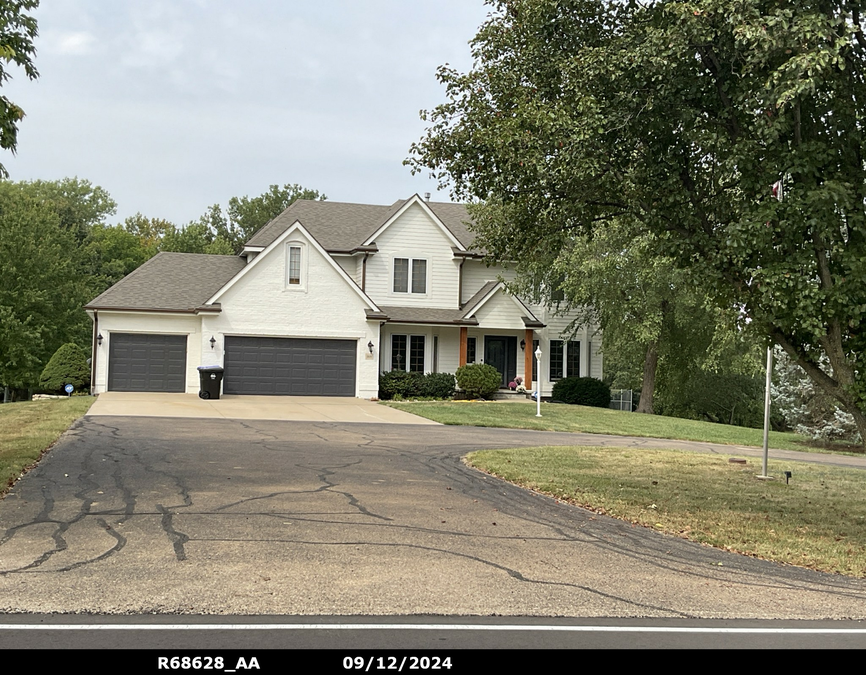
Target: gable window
pixel 295 265
pixel 410 272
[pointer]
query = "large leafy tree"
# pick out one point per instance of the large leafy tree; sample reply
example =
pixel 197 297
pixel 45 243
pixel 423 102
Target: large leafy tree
pixel 17 32
pixel 680 116
pixel 247 215
pixel 40 290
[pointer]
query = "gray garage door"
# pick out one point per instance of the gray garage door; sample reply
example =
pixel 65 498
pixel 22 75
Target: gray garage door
pixel 289 367
pixel 147 362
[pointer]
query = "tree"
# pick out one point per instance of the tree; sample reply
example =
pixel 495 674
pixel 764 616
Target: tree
pixel 16 45
pixel 67 366
pixel 195 238
pixel 40 290
pixel 78 203
pixel 247 215
pixel 679 117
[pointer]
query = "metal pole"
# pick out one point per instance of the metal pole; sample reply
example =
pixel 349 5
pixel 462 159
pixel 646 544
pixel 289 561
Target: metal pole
pixel 767 412
pixel 538 384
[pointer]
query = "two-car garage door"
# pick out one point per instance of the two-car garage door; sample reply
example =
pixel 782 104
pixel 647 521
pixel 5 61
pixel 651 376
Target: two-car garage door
pixel 253 365
pixel 289 366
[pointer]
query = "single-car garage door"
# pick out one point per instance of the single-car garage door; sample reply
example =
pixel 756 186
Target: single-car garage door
pixel 289 366
pixel 139 362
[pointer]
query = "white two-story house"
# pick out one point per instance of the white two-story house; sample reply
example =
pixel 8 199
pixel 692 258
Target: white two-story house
pixel 323 299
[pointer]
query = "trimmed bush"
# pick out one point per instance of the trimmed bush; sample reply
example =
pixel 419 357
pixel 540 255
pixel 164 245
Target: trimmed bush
pixel 478 380
pixel 67 366
pixel 582 391
pixel 401 384
pixel 438 385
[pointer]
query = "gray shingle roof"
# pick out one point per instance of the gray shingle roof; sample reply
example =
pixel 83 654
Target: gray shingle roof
pixel 340 226
pixel 171 281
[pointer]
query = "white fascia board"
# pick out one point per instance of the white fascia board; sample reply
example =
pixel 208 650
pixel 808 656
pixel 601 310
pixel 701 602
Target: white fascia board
pixel 296 227
pixel 415 199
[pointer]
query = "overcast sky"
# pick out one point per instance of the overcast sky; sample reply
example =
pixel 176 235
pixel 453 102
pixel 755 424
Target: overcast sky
pixel 173 105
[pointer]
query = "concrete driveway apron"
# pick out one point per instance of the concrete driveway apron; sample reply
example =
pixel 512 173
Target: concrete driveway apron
pixel 294 408
pixel 138 514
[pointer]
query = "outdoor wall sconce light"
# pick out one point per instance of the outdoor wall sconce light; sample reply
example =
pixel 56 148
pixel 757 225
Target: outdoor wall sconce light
pixel 99 339
pixel 370 346
pixel 212 341
pixel 523 345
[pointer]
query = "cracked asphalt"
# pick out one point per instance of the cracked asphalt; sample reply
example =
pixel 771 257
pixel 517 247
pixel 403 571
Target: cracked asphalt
pixel 143 515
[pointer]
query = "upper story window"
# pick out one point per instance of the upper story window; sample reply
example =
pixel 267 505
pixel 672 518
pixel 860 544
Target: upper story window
pixel 410 273
pixel 294 265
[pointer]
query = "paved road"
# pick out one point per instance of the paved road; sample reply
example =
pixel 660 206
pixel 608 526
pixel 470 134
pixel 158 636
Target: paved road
pixel 140 515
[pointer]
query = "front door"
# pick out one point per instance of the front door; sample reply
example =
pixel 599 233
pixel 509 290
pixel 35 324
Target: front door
pixel 500 351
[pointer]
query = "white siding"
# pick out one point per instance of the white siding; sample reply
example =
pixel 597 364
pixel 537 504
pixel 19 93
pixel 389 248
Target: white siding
pixel 476 274
pixel 325 306
pixel 501 311
pixel 163 324
pixel 415 236
pixel 351 265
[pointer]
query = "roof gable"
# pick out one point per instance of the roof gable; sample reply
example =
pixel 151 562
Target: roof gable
pixel 275 244
pixel 395 217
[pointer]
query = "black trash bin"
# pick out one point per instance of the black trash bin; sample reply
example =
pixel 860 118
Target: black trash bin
pixel 211 378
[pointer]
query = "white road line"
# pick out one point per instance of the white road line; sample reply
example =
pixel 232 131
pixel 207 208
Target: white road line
pixel 424 626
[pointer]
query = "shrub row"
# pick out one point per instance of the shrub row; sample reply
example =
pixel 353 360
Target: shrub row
pixel 401 384
pixel 582 391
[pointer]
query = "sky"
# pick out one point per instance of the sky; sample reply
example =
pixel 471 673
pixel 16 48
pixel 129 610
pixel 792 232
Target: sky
pixel 174 105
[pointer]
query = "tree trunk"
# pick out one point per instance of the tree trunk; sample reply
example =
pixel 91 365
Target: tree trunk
pixel 648 385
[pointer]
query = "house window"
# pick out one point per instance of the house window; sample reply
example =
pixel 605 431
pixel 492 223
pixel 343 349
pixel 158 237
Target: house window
pixel 416 354
pixel 589 359
pixel 406 270
pixel 419 276
pixel 572 364
pixel 435 367
pixel 398 352
pixel 556 359
pixel 534 362
pixel 413 361
pixel 401 275
pixel 294 265
pixel 470 350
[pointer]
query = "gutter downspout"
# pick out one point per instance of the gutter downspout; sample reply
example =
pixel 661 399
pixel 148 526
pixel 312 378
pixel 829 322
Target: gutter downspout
pixel 460 284
pixel 364 272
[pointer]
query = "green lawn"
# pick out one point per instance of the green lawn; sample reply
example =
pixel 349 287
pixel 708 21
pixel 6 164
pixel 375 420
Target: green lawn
pixel 27 429
pixel 559 417
pixel 817 521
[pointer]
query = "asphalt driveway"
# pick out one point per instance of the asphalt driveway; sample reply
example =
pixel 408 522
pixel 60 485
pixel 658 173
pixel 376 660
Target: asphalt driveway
pixel 271 517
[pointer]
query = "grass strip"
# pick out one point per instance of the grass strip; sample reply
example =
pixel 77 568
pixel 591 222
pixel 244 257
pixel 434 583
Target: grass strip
pixel 29 428
pixel 576 418
pixel 817 521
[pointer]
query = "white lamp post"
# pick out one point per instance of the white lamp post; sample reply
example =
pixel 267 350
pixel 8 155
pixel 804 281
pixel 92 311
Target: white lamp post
pixel 538 384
